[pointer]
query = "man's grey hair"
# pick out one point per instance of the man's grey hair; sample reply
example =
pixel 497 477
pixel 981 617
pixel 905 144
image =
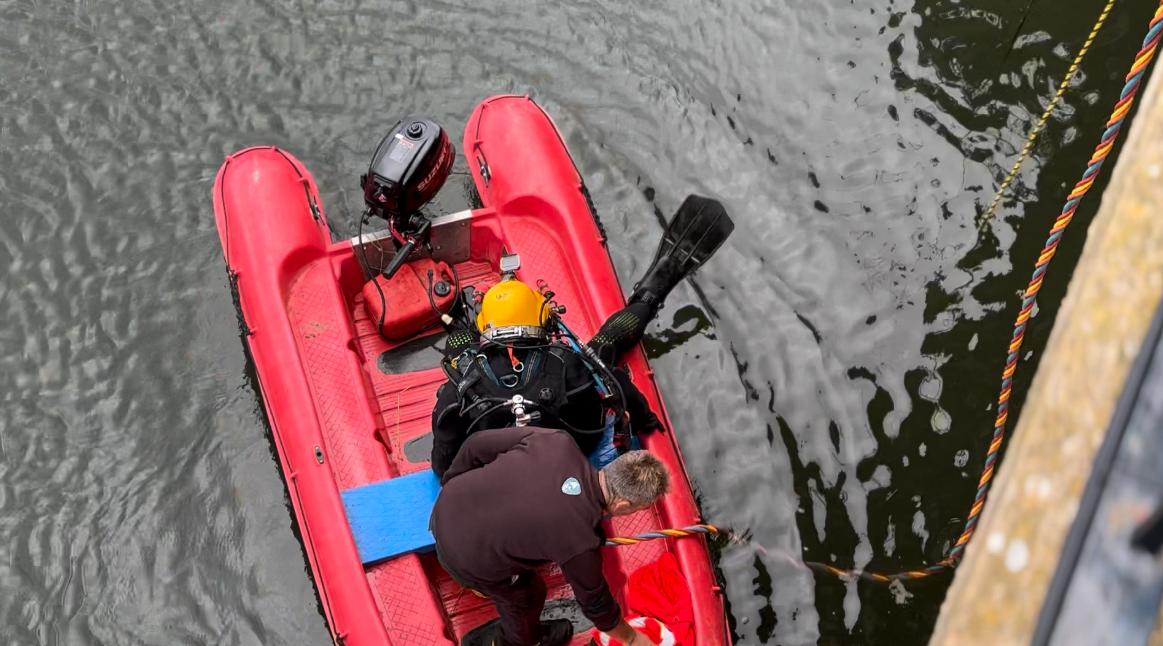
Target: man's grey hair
pixel 637 477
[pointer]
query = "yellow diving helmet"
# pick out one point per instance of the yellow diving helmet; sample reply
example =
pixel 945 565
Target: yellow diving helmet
pixel 512 310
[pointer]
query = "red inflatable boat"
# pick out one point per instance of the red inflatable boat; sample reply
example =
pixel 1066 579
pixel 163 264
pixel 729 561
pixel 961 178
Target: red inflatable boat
pixel 344 403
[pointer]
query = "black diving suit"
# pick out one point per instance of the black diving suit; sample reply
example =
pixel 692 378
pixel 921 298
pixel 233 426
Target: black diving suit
pixel 565 388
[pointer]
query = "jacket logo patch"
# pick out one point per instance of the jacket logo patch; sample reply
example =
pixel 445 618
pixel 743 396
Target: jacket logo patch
pixel 571 487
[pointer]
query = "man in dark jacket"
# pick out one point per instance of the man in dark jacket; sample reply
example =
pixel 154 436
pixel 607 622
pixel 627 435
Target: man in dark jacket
pixel 519 497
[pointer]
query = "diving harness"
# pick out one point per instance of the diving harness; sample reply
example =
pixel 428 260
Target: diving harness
pixel 532 393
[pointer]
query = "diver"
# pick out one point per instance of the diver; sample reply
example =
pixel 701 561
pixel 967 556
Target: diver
pixel 516 363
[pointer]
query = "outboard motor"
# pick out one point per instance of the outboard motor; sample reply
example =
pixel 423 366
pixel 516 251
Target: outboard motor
pixel 407 170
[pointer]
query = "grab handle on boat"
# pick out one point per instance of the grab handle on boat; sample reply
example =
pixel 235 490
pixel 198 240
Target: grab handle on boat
pixel 416 229
pixel 398 260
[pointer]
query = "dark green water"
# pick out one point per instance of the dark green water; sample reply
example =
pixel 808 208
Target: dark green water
pixel 831 373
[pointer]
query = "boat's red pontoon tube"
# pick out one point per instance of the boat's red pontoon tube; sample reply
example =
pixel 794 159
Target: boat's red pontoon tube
pixel 343 409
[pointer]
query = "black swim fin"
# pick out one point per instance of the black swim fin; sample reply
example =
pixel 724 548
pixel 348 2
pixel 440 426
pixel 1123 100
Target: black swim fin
pixel 699 227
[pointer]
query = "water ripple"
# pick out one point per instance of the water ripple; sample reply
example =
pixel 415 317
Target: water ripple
pixel 830 372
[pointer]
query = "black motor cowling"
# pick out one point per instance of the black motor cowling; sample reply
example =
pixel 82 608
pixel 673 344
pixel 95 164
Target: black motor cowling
pixel 408 168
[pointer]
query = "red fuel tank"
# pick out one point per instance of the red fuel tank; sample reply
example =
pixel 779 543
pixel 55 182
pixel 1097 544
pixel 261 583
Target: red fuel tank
pixel 412 300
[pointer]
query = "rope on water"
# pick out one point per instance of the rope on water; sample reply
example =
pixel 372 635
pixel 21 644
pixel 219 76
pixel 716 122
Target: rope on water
pixel 1112 128
pixel 1114 124
pixel 1037 130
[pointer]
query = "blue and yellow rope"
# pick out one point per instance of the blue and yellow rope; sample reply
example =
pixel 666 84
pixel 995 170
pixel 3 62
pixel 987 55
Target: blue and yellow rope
pixel 1037 129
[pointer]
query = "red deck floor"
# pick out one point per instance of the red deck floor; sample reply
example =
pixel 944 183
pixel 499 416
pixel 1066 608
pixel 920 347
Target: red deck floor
pixel 407 588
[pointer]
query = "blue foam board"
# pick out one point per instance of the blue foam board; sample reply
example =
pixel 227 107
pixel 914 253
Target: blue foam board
pixel 390 517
